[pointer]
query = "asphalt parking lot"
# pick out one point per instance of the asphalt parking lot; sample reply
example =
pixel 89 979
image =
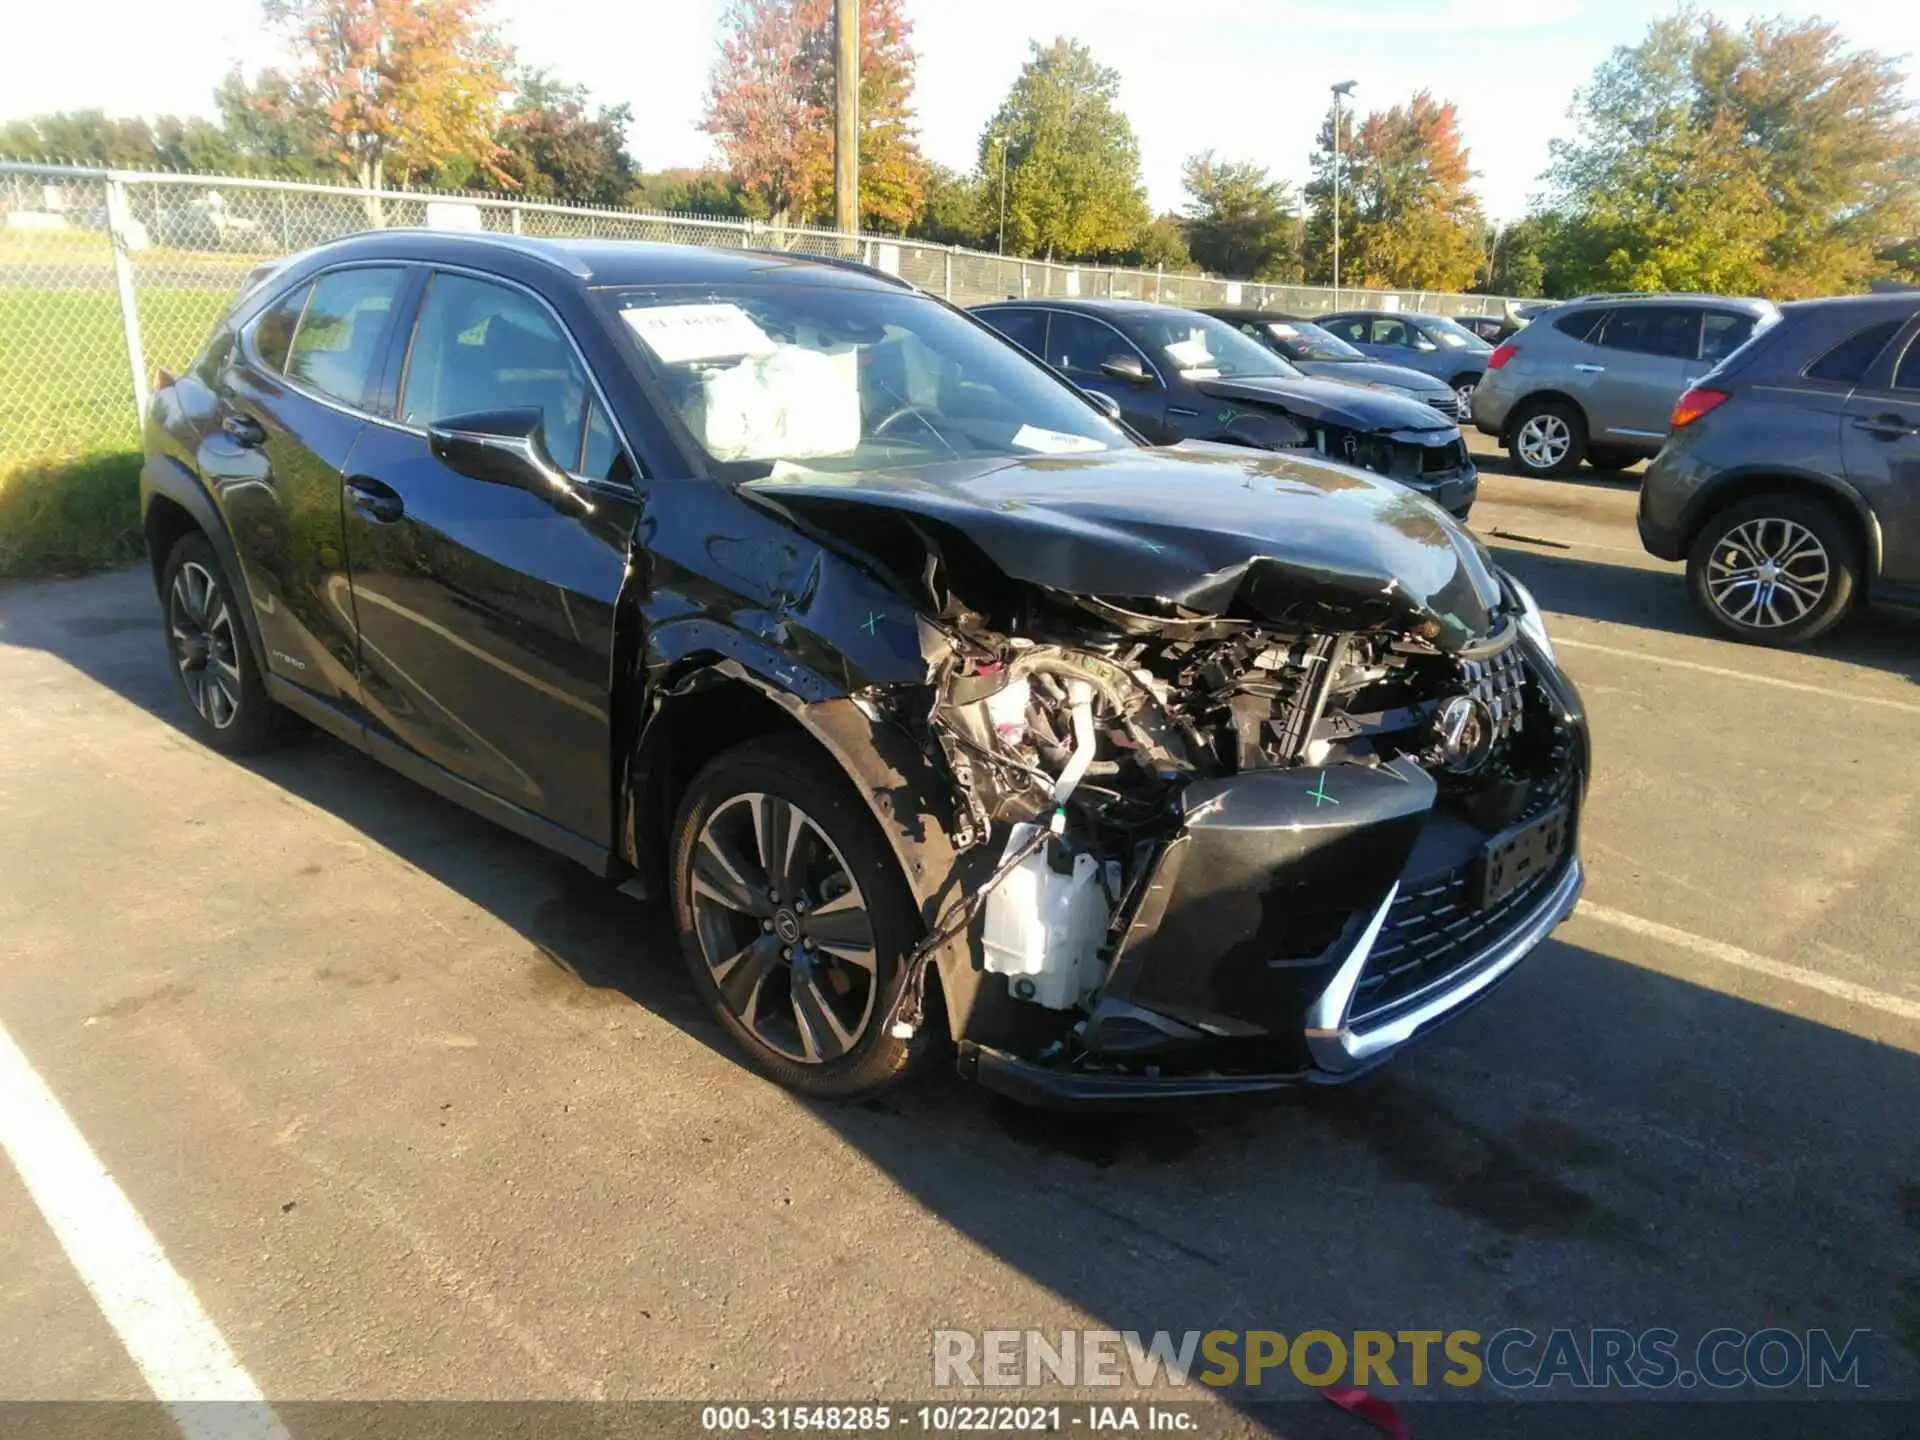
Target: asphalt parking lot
pixel 419 1110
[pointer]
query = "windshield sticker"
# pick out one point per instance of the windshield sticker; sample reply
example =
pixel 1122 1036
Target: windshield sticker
pixel 679 334
pixel 1191 353
pixel 1053 442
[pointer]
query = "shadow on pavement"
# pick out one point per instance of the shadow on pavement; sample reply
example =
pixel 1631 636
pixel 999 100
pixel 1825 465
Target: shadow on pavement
pixel 1883 638
pixel 1597 1145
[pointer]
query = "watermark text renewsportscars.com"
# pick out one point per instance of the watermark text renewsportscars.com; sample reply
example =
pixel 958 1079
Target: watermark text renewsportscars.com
pixel 1599 1358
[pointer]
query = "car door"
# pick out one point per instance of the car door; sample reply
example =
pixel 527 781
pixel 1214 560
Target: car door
pixel 485 613
pixel 291 400
pixel 1880 441
pixel 1078 345
pixel 1645 354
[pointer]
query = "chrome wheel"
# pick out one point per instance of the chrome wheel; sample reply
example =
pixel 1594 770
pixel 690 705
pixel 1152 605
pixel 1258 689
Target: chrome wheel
pixel 1543 441
pixel 784 929
pixel 1768 573
pixel 1463 392
pixel 205 644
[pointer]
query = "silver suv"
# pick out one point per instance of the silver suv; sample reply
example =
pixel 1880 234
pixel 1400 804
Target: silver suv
pixel 1596 378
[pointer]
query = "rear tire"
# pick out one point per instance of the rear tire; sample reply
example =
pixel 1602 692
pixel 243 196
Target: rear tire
pixel 1463 387
pixel 1547 439
pixel 1777 570
pixel 227 703
pixel 804 980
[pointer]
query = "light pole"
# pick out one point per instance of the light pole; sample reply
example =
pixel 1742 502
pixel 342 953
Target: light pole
pixel 1002 139
pixel 1345 87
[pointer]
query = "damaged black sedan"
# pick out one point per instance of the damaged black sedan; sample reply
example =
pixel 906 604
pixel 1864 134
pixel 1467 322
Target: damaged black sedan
pixel 944 714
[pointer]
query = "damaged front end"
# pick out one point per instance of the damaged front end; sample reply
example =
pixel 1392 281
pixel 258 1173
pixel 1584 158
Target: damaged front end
pixel 1255 826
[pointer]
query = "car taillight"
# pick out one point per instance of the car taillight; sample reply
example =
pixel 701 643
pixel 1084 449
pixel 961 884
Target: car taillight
pixel 1699 401
pixel 1501 355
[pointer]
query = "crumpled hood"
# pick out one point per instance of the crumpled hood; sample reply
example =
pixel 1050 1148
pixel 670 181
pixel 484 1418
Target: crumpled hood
pixel 1370 372
pixel 1294 539
pixel 1348 405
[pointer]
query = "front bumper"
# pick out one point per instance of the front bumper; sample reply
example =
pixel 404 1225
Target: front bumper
pixel 1279 941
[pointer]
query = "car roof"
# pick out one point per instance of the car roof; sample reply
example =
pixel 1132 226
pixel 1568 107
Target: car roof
pixel 1669 297
pixel 612 262
pixel 1088 307
pixel 1891 302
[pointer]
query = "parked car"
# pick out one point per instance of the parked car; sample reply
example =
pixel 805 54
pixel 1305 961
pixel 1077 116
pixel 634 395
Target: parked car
pixel 1180 375
pixel 1596 378
pixel 1314 351
pixel 1791 482
pixel 1432 344
pixel 921 690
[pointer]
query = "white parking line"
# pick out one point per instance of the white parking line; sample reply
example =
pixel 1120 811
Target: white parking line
pixel 1561 641
pixel 181 1356
pixel 1726 954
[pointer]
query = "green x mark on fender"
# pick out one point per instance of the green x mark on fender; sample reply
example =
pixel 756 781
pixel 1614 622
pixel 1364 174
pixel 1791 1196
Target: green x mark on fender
pixel 1319 793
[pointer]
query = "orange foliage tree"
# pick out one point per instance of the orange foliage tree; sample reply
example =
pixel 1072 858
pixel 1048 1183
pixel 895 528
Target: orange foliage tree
pixel 770 108
pixel 398 88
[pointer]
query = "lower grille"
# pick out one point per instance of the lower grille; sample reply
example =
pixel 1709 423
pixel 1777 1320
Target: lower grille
pixel 1448 405
pixel 1439 459
pixel 1432 929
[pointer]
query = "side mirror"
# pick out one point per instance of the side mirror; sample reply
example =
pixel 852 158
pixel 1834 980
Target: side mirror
pixel 504 447
pixel 1424 345
pixel 1127 368
pixel 1105 404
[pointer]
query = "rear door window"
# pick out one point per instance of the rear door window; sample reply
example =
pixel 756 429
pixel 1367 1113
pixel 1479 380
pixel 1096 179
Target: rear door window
pixel 1721 333
pixel 273 331
pixel 1025 328
pixel 341 343
pixel 1906 375
pixel 1848 362
pixel 1669 330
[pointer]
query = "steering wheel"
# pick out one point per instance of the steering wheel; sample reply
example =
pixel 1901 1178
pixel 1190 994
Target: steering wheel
pixel 896 415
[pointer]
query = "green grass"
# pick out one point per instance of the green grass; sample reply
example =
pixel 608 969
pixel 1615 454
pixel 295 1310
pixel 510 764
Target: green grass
pixel 69 439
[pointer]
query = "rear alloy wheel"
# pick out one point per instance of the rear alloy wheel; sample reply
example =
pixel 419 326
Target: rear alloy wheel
pixel 208 643
pixel 1463 389
pixel 1548 440
pixel 793 917
pixel 1774 570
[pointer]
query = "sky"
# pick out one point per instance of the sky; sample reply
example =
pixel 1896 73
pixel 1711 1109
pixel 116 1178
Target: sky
pixel 1248 81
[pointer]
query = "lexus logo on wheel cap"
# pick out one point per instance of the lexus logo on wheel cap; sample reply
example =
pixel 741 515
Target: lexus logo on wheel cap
pixel 1463 734
pixel 786 926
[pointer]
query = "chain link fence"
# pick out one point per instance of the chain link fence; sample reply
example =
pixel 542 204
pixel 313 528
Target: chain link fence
pixel 106 276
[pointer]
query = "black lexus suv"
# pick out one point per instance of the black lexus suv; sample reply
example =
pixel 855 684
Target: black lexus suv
pixel 938 706
pixel 1790 483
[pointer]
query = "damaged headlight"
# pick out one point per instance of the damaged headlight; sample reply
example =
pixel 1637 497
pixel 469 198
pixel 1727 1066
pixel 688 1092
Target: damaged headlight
pixel 1533 622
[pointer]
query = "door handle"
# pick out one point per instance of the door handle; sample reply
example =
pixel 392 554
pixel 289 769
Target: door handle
pixel 378 502
pixel 1180 412
pixel 244 431
pixel 1591 369
pixel 1887 427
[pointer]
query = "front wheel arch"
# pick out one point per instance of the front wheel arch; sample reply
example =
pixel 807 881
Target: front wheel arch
pixel 1863 527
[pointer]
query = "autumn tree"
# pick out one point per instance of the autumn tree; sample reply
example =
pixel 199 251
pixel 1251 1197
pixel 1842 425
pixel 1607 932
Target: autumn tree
pixel 1408 219
pixel 553 145
pixel 770 108
pixel 1072 164
pixel 1771 158
pixel 400 88
pixel 1239 221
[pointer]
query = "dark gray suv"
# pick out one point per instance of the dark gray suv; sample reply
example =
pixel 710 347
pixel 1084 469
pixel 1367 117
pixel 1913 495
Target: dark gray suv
pixel 1791 482
pixel 1595 379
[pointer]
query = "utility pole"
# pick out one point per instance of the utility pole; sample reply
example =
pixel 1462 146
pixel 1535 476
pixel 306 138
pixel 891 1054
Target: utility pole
pixel 1345 87
pixel 1003 192
pixel 846 116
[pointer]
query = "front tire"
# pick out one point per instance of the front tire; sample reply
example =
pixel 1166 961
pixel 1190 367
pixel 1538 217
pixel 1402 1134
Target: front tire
pixel 1463 388
pixel 794 918
pixel 226 699
pixel 1774 570
pixel 1548 439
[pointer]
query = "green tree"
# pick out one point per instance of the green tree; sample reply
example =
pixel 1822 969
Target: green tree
pixel 1072 165
pixel 1409 220
pixel 1162 245
pixel 265 124
pixel 1771 158
pixel 694 192
pixel 83 137
pixel 955 209
pixel 554 146
pixel 1239 221
pixel 1517 259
